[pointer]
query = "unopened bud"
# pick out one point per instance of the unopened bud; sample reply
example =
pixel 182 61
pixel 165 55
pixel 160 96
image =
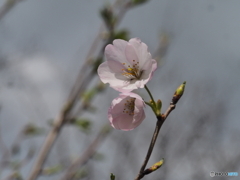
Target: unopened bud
pixel 112 176
pixel 154 167
pixel 159 107
pixel 108 17
pixel 178 93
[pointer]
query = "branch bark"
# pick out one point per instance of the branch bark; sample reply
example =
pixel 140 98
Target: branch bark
pixel 160 121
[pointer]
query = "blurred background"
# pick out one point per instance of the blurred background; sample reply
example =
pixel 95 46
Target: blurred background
pixel 44 44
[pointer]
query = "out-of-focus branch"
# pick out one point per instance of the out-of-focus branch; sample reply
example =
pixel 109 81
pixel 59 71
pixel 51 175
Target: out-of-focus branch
pixel 13 176
pixel 7 6
pixel 58 123
pixel 88 153
pixel 84 78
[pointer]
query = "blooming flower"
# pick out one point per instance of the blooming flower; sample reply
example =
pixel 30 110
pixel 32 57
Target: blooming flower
pixel 126 111
pixel 129 65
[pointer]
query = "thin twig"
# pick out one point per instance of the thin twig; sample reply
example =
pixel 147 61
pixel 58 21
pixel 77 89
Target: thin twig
pixel 160 121
pixel 7 6
pixel 89 152
pixel 78 88
pixel 53 134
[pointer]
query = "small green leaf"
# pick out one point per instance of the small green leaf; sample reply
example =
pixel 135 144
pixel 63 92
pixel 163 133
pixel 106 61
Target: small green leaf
pixel 88 95
pixel 98 157
pixel 100 87
pixel 17 176
pixel 158 108
pixel 32 130
pixel 83 124
pixel 106 129
pixel 121 34
pixel 112 176
pixel 82 173
pixel 50 122
pixel 108 17
pixel 138 2
pixel 51 170
pixel 15 164
pixel 96 63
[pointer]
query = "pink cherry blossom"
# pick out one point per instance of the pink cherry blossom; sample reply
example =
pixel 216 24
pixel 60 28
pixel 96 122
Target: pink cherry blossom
pixel 126 111
pixel 129 65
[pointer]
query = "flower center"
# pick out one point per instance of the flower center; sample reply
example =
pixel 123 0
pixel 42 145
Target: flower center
pixel 129 106
pixel 132 72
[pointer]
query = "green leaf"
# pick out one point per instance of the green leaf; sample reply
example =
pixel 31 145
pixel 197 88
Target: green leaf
pixel 108 17
pixel 98 157
pixel 121 34
pixel 138 2
pixel 52 170
pixel 83 124
pixel 96 63
pixel 82 173
pixel 32 130
pixel 112 176
pixel 15 164
pixel 17 176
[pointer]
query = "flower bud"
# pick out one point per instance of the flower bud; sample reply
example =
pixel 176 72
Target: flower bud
pixel 108 17
pixel 178 93
pixel 154 167
pixel 159 106
pixel 112 176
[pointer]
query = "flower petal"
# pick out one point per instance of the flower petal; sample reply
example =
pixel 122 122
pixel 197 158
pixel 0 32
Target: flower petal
pixel 107 76
pixel 131 54
pixel 116 51
pixel 124 121
pixel 129 65
pixel 141 50
pixel 116 66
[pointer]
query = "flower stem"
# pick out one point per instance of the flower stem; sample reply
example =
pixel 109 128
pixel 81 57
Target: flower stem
pixel 150 94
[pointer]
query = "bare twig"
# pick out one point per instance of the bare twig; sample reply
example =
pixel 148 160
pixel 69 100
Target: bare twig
pixel 160 121
pixel 81 84
pixel 88 153
pixel 7 6
pixel 58 123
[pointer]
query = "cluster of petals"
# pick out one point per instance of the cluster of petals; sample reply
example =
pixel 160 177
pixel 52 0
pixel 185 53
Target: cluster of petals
pixel 126 111
pixel 128 66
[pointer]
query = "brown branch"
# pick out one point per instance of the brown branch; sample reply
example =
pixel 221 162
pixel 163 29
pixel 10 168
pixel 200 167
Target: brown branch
pixel 79 87
pixel 7 6
pixel 89 152
pixel 51 138
pixel 160 121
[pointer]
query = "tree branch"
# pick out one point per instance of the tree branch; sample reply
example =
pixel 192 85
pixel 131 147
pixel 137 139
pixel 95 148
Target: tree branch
pixel 88 153
pixel 160 121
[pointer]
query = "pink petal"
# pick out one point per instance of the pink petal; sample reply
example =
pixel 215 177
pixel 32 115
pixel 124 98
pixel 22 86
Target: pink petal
pixel 107 76
pixel 141 50
pixel 123 121
pixel 131 54
pixel 119 56
pixel 116 51
pixel 115 66
pixel 154 65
